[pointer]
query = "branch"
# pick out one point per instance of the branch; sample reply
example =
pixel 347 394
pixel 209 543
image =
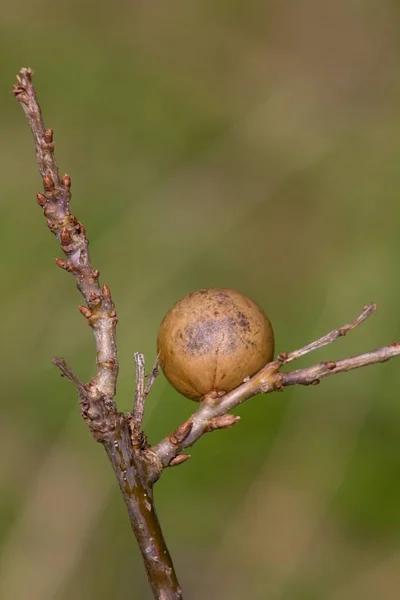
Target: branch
pixel 212 412
pixel 138 407
pixel 99 309
pixel 120 434
pixel 142 390
pixel 151 378
pixel 332 335
pixel 137 465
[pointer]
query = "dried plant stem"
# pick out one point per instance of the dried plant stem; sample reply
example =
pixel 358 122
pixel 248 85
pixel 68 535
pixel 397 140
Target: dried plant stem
pixel 138 407
pixel 121 435
pixel 332 335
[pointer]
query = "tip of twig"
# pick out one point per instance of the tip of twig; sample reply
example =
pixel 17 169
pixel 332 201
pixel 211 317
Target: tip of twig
pixel 25 72
pixel 370 308
pixel 67 372
pixel 139 358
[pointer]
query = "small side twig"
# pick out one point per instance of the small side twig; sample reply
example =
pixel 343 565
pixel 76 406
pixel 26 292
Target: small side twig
pixel 138 407
pixel 151 378
pixel 142 390
pixel 312 375
pixel 332 335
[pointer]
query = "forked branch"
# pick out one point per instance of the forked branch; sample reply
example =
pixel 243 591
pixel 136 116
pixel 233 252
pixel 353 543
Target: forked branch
pixel 137 465
pixel 270 379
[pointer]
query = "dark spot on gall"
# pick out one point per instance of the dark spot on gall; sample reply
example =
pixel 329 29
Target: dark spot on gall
pixel 245 324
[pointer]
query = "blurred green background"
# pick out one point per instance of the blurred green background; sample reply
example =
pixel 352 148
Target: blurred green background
pixel 253 145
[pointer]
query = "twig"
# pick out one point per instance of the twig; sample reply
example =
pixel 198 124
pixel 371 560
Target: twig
pixel 142 391
pixel 269 379
pixel 135 469
pixel 151 378
pixel 100 310
pixel 136 465
pixel 332 335
pixel 312 375
pixel 138 408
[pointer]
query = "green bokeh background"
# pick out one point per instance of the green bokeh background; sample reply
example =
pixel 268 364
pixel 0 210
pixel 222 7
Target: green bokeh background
pixel 253 145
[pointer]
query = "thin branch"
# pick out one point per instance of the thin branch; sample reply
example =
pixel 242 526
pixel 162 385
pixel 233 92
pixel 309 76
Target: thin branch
pixel 142 390
pixel 269 379
pixel 332 335
pixel 312 375
pixel 138 408
pixel 100 310
pixel 135 469
pixel 151 378
pixel 69 374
